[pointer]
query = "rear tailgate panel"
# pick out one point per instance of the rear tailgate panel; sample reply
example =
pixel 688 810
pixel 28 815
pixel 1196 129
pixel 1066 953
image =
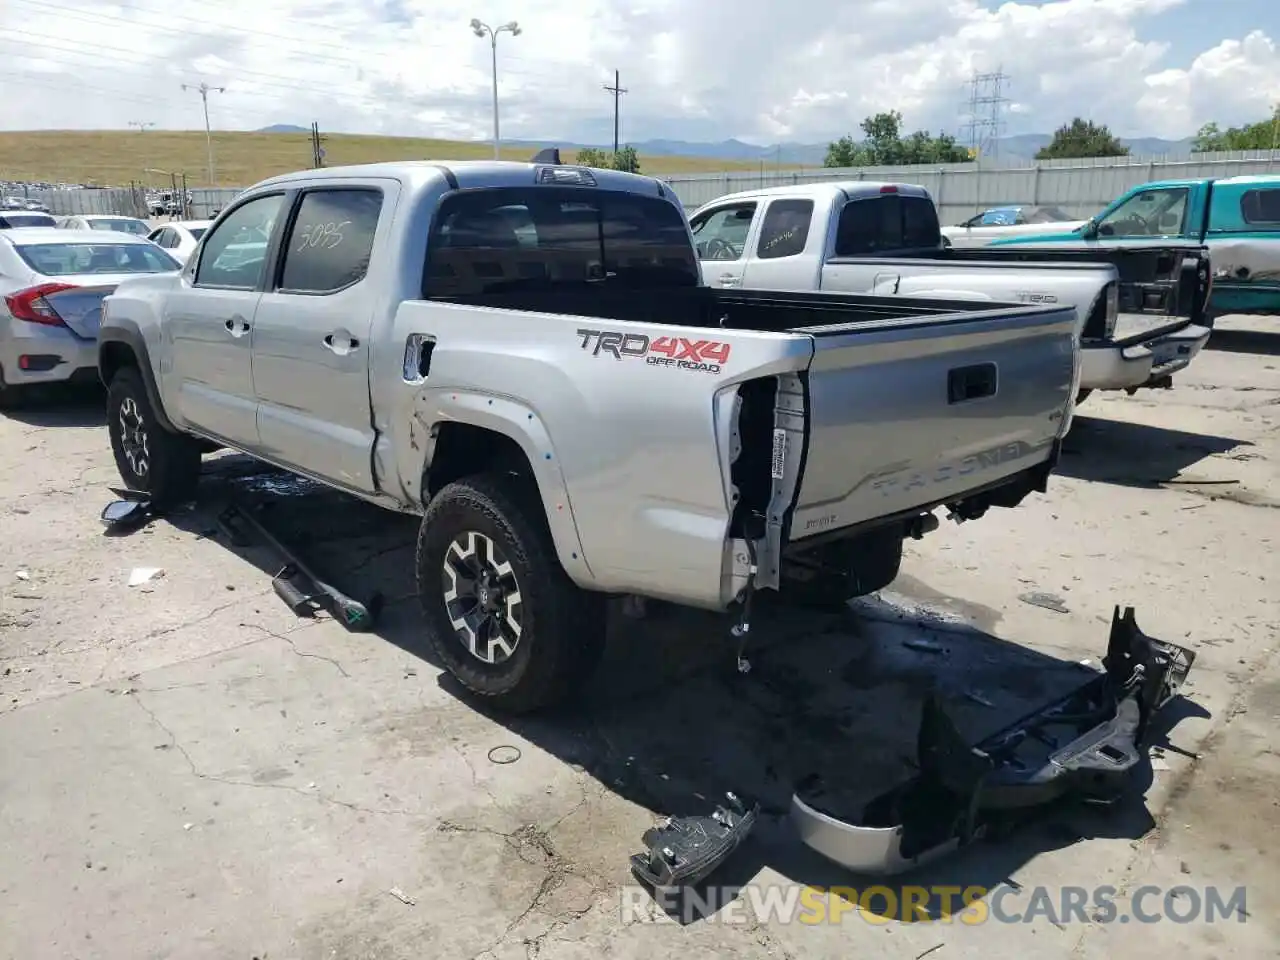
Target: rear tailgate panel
pixel 1168 282
pixel 904 415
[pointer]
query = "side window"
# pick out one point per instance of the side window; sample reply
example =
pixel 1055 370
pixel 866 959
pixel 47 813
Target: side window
pixel 236 251
pixel 785 229
pixel 329 245
pixel 1148 213
pixel 868 227
pixel 721 234
pixel 1261 207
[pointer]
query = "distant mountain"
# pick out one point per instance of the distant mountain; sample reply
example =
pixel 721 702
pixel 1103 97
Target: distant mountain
pixel 283 128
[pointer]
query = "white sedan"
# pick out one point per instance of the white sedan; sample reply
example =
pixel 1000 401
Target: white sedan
pixel 180 237
pixel 1012 221
pixel 100 221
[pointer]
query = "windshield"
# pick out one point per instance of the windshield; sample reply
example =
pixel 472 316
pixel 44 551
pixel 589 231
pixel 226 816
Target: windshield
pixel 66 259
pixel 120 224
pixel 27 220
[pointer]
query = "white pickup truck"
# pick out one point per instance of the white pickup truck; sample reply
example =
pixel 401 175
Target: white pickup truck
pixel 1138 307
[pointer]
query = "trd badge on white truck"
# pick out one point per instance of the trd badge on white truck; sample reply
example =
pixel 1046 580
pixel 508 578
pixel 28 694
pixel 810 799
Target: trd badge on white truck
pixel 525 355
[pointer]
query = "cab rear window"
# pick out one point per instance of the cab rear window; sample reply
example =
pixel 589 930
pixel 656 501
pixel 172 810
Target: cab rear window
pixel 545 238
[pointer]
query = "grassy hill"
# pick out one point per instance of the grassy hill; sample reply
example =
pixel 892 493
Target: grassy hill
pixel 115 157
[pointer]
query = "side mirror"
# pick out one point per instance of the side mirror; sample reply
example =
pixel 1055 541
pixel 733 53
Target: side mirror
pixel 1090 229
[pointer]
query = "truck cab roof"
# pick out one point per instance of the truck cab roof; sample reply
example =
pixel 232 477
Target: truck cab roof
pixel 843 189
pixel 462 174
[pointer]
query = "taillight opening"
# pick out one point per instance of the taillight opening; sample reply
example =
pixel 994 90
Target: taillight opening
pixel 32 306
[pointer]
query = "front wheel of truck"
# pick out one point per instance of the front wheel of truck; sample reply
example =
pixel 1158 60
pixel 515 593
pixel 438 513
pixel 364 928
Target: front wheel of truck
pixel 501 613
pixel 150 458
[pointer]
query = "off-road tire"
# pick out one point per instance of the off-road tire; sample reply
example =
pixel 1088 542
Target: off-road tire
pixel 172 460
pixel 563 627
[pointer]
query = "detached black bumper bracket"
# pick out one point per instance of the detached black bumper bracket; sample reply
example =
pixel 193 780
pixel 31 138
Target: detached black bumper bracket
pixel 684 851
pixel 1083 746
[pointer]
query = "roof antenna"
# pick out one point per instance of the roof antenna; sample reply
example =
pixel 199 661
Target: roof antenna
pixel 549 155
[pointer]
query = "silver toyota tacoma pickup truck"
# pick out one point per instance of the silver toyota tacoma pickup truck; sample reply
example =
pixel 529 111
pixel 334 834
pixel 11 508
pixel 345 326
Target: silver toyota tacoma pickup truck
pixel 524 354
pixel 1140 308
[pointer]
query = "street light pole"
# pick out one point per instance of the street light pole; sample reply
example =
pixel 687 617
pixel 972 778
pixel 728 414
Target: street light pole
pixel 481 30
pixel 204 90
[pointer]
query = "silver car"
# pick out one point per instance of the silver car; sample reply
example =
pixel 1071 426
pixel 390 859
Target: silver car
pixel 12 219
pixel 53 281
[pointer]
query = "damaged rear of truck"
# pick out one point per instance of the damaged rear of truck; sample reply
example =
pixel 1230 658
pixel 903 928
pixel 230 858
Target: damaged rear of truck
pixel 525 355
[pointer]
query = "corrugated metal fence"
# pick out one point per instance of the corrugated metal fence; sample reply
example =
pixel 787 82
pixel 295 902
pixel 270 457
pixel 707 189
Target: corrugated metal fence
pixel 1079 187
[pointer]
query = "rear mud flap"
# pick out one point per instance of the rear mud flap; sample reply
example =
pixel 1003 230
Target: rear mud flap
pixel 1083 746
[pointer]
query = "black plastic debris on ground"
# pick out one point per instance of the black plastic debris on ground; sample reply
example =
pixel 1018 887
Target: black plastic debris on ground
pixel 684 851
pixel 1082 746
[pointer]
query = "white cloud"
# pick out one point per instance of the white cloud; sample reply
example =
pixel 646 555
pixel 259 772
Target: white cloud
pixel 1244 73
pixel 755 69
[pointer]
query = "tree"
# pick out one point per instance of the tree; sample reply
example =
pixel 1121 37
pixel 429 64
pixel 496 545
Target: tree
pixel 885 146
pixel 1263 135
pixel 626 159
pixel 593 157
pixel 1082 138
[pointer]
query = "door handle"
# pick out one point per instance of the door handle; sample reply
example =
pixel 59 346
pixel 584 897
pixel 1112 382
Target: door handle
pixel 341 344
pixel 237 326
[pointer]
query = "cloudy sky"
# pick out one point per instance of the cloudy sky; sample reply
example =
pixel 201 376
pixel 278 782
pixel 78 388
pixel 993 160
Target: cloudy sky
pixel 759 70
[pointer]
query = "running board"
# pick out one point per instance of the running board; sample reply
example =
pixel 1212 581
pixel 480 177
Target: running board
pixel 1083 746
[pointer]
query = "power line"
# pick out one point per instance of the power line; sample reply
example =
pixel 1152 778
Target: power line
pixel 617 90
pixel 986 105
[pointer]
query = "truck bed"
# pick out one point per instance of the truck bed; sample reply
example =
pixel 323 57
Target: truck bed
pixel 857 409
pixel 1165 281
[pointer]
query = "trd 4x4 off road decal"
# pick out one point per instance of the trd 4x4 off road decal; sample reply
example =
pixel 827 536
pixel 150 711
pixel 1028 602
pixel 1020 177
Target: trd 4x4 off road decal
pixel 706 356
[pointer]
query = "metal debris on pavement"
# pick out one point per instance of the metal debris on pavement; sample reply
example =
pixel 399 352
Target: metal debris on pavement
pixel 402 896
pixel 1048 601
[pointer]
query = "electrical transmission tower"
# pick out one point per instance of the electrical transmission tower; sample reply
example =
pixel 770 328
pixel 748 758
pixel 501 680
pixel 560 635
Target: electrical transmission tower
pixel 985 111
pixel 142 125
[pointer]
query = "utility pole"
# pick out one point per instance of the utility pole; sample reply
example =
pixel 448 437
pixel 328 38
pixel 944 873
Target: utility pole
pixel 142 125
pixel 481 30
pixel 986 103
pixel 617 90
pixel 204 90
pixel 317 148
